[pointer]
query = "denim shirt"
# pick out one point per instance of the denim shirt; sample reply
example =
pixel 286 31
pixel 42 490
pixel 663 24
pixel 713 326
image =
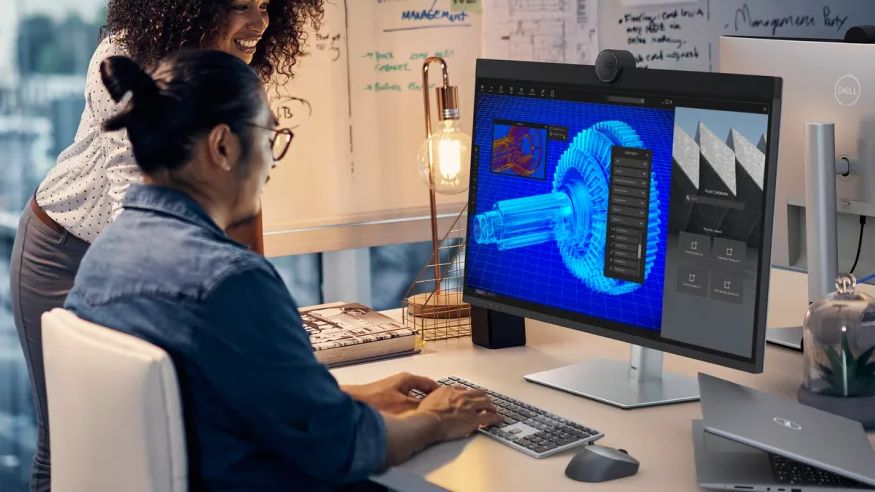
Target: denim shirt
pixel 260 412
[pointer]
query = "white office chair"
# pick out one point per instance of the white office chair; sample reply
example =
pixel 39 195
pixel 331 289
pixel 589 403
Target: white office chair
pixel 115 419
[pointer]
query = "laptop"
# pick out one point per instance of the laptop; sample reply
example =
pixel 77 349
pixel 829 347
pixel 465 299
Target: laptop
pixel 748 440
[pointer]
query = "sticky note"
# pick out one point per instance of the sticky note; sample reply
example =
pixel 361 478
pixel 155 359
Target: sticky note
pixel 466 5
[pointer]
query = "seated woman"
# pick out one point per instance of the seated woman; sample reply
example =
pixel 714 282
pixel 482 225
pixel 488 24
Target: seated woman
pixel 260 412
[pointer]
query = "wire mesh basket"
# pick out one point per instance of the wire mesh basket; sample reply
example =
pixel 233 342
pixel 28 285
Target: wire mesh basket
pixel 433 305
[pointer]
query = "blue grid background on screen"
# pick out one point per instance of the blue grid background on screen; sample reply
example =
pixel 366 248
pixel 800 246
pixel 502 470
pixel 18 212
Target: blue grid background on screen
pixel 537 273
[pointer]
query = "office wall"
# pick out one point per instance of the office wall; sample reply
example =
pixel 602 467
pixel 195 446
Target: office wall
pixel 351 179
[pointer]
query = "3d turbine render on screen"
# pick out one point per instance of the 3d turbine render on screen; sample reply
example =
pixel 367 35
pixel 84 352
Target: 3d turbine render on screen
pixel 603 211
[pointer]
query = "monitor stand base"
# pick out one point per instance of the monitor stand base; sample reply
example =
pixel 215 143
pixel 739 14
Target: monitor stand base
pixel 640 383
pixel 790 337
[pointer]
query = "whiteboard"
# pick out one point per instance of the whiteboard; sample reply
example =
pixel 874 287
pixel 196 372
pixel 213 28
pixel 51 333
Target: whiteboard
pixel 350 178
pixel 683 35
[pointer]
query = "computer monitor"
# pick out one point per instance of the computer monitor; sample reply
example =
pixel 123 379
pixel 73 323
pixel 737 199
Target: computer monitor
pixel 824 81
pixel 639 210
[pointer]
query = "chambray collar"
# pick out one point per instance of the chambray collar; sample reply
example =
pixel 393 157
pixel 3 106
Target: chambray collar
pixel 171 202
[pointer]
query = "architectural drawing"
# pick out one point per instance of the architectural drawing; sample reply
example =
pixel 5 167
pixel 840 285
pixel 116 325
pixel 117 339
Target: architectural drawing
pixel 560 31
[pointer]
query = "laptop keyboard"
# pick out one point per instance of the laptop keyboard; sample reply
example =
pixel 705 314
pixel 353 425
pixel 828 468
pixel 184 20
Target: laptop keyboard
pixel 791 472
pixel 526 428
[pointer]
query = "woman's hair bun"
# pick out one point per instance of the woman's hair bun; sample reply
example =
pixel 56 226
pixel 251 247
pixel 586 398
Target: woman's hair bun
pixel 120 76
pixel 190 93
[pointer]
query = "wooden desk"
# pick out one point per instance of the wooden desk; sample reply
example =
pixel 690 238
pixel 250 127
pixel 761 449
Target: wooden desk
pixel 660 437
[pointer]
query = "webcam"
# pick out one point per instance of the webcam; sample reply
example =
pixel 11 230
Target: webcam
pixel 860 34
pixel 610 64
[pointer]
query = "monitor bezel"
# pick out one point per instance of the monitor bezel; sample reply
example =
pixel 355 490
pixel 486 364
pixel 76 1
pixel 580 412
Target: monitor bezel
pixel 732 88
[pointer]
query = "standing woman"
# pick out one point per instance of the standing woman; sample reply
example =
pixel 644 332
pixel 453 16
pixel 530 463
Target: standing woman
pixel 83 193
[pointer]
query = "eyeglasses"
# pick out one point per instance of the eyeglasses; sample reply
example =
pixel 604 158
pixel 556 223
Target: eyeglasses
pixel 280 142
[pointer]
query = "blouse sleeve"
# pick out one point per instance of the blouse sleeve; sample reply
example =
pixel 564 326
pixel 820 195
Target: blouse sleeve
pixel 121 167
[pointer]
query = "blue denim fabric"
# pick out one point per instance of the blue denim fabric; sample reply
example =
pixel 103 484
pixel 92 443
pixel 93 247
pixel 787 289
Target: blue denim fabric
pixel 261 413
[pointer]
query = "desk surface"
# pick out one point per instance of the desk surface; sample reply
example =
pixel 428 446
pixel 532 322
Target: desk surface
pixel 660 437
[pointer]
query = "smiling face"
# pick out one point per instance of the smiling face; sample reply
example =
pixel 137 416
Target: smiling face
pixel 247 20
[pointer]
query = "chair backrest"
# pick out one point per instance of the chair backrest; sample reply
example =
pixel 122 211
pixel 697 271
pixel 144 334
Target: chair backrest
pixel 115 418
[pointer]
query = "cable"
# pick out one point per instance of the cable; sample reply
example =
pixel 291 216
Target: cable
pixel 867 278
pixel 859 242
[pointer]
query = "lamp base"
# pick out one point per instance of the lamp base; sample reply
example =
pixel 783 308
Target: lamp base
pixel 438 315
pixel 438 305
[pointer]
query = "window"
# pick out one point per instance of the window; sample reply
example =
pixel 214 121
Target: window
pixel 44 52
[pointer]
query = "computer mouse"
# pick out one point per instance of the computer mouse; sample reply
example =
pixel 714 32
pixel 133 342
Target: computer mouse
pixel 600 463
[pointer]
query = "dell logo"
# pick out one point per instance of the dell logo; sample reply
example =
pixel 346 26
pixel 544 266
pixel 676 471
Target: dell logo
pixel 787 423
pixel 848 90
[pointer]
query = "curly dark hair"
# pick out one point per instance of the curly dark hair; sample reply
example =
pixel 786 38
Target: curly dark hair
pixel 152 29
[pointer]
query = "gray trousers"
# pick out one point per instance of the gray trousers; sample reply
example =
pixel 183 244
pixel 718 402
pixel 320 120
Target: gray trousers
pixel 43 266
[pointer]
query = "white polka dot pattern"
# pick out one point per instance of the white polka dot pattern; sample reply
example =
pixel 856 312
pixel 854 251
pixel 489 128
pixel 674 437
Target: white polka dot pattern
pixel 84 191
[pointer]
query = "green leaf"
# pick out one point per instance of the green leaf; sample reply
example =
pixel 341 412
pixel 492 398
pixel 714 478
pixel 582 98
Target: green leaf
pixel 846 348
pixel 835 359
pixel 865 356
pixel 862 365
pixel 863 371
pixel 858 371
pixel 824 369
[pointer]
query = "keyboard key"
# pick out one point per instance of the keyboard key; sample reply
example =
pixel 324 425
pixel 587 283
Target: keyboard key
pixel 792 472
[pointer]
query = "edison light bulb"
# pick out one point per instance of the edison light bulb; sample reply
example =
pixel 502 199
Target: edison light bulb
pixel 445 159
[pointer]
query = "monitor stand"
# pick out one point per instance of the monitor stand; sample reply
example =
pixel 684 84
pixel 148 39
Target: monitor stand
pixel 821 231
pixel 790 337
pixel 640 383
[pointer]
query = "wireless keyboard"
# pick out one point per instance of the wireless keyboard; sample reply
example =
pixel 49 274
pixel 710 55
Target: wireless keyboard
pixel 526 428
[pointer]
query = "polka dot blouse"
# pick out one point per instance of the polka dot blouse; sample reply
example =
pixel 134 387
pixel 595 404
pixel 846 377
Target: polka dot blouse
pixel 84 191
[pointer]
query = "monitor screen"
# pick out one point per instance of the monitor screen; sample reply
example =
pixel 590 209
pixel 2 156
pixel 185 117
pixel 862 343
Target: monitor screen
pixel 639 213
